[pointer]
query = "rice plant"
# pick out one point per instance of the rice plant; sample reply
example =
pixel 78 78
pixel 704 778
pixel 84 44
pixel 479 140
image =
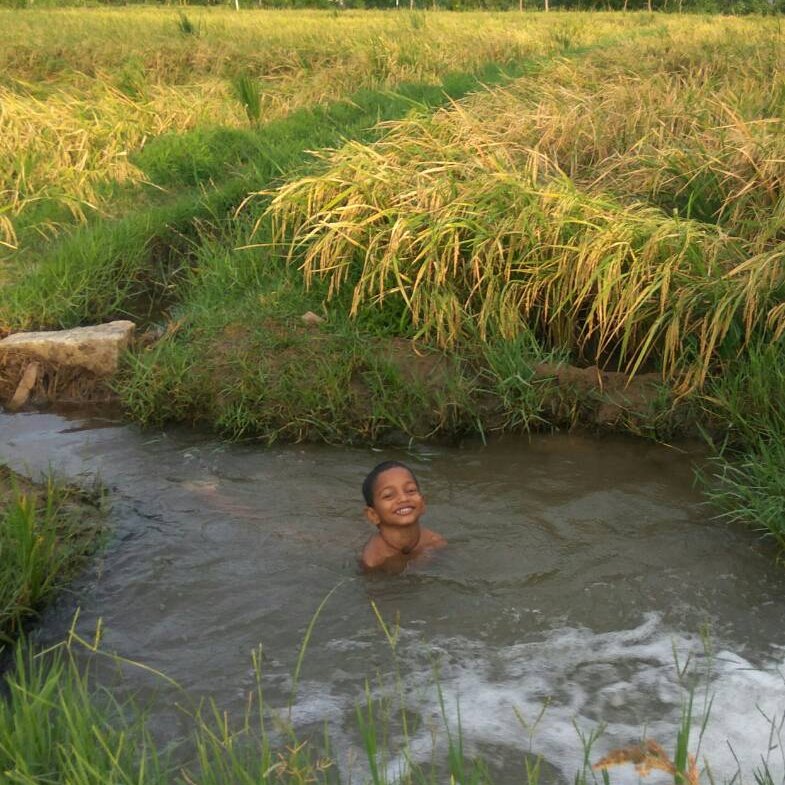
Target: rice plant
pixel 75 108
pixel 500 215
pixel 469 246
pixel 247 92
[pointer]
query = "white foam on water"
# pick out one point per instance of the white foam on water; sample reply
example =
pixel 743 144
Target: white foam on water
pixel 626 680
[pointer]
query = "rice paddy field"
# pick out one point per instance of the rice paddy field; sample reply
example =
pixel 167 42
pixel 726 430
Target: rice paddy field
pixel 502 221
pixel 83 91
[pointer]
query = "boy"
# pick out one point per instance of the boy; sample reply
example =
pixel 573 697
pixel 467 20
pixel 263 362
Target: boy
pixel 394 506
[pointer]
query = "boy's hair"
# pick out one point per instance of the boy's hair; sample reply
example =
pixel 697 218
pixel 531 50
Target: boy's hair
pixel 370 481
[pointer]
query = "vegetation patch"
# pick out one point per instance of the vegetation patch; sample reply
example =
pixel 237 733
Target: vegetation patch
pixel 46 536
pixel 748 481
pixel 84 91
pixel 480 228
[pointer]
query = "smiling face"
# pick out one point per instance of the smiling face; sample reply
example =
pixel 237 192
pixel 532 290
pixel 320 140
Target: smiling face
pixel 397 500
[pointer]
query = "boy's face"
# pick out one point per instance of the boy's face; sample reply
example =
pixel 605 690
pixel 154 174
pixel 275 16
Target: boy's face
pixel 397 500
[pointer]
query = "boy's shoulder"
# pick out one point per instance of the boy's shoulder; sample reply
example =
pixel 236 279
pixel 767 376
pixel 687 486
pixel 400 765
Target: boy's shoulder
pixel 375 552
pixel 430 539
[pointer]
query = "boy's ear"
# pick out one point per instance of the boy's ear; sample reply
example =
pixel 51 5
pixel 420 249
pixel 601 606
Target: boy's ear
pixel 372 516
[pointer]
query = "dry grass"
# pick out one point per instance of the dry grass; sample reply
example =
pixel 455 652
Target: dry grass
pixel 542 206
pixel 64 148
pixel 84 88
pixel 691 120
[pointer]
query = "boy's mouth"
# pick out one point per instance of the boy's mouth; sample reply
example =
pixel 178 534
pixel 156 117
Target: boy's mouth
pixel 404 510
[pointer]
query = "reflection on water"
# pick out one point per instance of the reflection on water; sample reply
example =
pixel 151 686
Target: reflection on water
pixel 575 568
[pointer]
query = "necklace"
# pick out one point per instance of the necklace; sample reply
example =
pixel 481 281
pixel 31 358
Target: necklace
pixel 405 551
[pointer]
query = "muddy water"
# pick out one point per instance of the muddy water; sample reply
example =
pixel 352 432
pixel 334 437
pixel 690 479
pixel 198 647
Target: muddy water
pixel 576 571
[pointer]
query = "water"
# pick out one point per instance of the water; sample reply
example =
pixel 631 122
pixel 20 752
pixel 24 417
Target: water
pixel 577 572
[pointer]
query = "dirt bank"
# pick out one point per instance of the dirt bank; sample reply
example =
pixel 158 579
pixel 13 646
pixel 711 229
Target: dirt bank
pixel 373 386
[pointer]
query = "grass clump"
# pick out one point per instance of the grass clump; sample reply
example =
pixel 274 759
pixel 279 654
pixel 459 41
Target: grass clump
pixel 246 90
pixel 105 271
pixel 243 361
pixel 45 537
pixel 186 26
pixel 512 384
pixel 56 726
pixel 748 481
pixel 174 160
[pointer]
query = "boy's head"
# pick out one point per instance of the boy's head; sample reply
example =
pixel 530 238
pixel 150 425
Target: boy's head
pixel 369 483
pixel 392 495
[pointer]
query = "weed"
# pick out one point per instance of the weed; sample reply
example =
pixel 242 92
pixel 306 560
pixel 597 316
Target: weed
pixel 55 726
pixel 246 90
pixel 186 26
pixel 746 479
pixel 510 372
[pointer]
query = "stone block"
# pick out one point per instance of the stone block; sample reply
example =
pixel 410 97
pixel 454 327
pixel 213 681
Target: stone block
pixel 95 349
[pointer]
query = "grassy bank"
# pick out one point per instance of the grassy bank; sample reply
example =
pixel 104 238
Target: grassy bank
pixel 46 534
pixel 520 227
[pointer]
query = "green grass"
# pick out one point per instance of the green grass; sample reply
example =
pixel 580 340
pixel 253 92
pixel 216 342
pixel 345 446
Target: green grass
pixel 58 723
pixel 519 397
pixel 45 537
pixel 248 93
pixel 747 479
pixel 55 726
